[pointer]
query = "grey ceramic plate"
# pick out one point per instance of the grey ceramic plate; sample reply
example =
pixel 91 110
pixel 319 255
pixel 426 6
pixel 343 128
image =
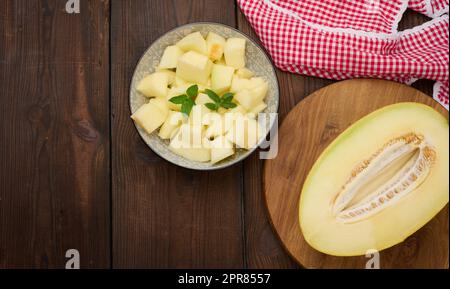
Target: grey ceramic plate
pixel 257 60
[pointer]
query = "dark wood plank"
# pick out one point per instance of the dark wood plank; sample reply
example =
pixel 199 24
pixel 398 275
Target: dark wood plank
pixel 263 249
pixel 165 216
pixel 54 134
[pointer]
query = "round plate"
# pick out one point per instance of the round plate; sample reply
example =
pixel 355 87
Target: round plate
pixel 308 129
pixel 256 59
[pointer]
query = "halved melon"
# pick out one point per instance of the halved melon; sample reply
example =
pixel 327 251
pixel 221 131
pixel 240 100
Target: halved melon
pixel 380 181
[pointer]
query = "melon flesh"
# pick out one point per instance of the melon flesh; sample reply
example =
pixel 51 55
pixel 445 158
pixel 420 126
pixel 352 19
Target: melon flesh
pixel 378 182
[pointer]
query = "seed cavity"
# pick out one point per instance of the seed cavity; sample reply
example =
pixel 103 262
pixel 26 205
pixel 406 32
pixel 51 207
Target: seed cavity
pixel 391 173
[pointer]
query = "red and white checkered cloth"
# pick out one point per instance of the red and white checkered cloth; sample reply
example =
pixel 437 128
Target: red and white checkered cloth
pixel 341 39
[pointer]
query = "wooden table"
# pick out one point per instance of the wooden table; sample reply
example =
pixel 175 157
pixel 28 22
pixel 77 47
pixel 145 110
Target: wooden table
pixel 74 172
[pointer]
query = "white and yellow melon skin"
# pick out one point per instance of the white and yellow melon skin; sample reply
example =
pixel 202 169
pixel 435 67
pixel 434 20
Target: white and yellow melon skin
pixel 395 223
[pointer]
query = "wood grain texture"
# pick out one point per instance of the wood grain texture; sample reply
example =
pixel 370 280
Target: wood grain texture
pixel 165 216
pixel 55 139
pixel 54 134
pixel 312 126
pixel 263 249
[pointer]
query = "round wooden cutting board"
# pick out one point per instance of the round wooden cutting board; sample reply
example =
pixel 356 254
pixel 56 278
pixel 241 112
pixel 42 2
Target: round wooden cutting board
pixel 304 134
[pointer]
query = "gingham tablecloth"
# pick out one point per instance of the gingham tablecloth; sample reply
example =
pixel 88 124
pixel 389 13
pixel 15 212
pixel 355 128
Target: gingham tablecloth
pixel 341 39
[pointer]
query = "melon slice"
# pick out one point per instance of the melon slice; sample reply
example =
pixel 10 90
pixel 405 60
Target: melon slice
pixel 379 182
pixel 215 45
pixel 193 42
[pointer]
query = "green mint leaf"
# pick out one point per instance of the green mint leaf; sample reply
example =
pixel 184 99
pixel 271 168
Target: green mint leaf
pixel 227 97
pixel 212 106
pixel 228 105
pixel 187 106
pixel 213 95
pixel 178 99
pixel 192 91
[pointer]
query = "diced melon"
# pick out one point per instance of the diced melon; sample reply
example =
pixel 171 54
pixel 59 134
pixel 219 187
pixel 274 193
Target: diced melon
pixel 245 133
pixel 170 57
pixel 246 99
pixel 172 122
pixel 221 148
pixel 188 143
pixel 194 67
pixel 160 103
pixel 235 52
pixel 221 77
pixel 259 108
pixel 259 92
pixel 239 84
pixel 202 99
pixel 193 42
pixel 149 117
pixel 198 114
pixel 378 182
pixel 249 92
pixel 221 61
pixel 171 75
pixel 175 91
pixel 211 118
pixel 238 109
pixel 181 82
pixel 191 134
pixel 155 84
pixel 244 73
pixel 215 46
pixel 218 124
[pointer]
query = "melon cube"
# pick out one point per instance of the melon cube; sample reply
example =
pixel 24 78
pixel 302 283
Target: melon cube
pixel 221 77
pixel 171 75
pixel 154 84
pixel 221 148
pixel 194 67
pixel 198 114
pixel 259 108
pixel 239 84
pixel 175 91
pixel 149 117
pixel 245 133
pixel 218 124
pixel 234 52
pixel 160 103
pixel 193 42
pixel 246 99
pixel 259 92
pixel 181 82
pixel 212 118
pixel 215 45
pixel 188 143
pixel 256 82
pixel 170 57
pixel 202 99
pixel 244 73
pixel 200 154
pixel 238 109
pixel 221 61
pixel 172 122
